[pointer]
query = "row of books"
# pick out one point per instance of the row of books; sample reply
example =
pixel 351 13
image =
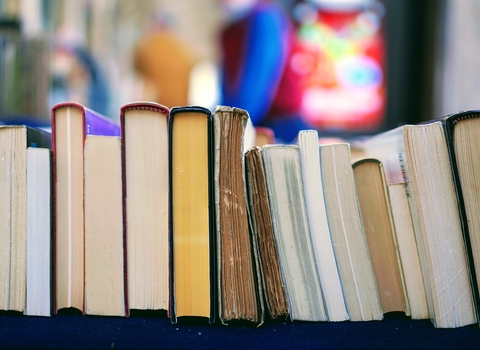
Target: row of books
pixel 169 210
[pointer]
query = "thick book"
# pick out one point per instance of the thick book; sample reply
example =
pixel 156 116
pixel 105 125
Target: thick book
pixel 15 212
pixel 262 234
pixel 418 156
pixel 239 297
pixel 105 292
pixel 292 236
pixel 380 233
pixel 145 168
pixel 71 123
pixel 387 147
pixel 334 301
pixel 462 131
pixel 348 236
pixel 192 214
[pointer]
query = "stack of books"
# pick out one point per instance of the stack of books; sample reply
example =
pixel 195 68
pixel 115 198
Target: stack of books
pixel 170 210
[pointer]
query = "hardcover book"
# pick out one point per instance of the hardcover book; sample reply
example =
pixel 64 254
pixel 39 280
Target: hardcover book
pixel 462 130
pixel 71 123
pixel 145 167
pixel 192 224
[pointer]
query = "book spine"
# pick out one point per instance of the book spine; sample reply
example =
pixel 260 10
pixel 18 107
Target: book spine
pixel 54 216
pixel 124 212
pixel 212 219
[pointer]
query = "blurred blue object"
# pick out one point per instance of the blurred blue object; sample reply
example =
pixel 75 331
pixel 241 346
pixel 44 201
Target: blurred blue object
pixel 97 91
pixel 255 48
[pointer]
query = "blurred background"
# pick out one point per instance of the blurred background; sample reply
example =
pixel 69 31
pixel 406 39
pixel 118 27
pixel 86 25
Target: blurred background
pixel 344 67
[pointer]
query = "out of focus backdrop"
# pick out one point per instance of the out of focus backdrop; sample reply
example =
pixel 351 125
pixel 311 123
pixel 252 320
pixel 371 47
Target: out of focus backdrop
pixel 344 67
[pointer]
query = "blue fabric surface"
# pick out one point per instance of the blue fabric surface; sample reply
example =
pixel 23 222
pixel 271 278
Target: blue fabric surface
pixel 150 330
pixel 265 51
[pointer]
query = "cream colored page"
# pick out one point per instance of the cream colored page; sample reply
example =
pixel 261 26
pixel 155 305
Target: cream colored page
pixel 440 225
pixel 5 223
pixel 104 269
pixel 147 207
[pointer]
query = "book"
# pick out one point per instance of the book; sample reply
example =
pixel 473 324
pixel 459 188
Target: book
pixel 145 167
pixel 386 147
pixel 39 232
pixel 238 294
pixel 192 216
pixel 348 236
pixel 262 232
pixel 71 122
pixel 292 236
pixel 408 251
pixel 418 155
pixel 380 234
pixel 104 236
pixel 15 140
pixel 334 301
pixel 462 130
